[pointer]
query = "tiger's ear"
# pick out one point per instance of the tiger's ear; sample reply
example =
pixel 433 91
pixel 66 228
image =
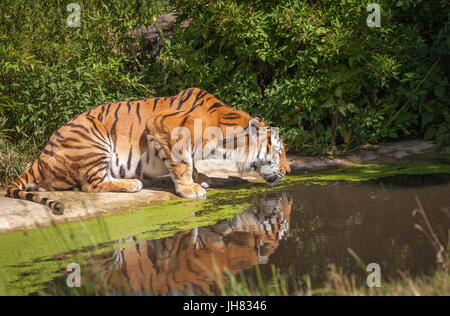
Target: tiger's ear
pixel 253 126
pixel 259 117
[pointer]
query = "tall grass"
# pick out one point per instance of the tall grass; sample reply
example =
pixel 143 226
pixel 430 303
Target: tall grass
pixel 15 157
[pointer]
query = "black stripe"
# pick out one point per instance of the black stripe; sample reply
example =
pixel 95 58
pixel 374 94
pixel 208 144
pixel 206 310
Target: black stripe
pixel 73 146
pixel 193 108
pixel 129 107
pixel 100 138
pixel 171 101
pixel 68 139
pixel 107 110
pixel 197 96
pixel 81 157
pixel 122 172
pixel 60 176
pixel 180 104
pixel 26 177
pixel 231 117
pixel 96 128
pixel 215 105
pixel 200 95
pixel 100 171
pixel 93 161
pixel 95 174
pixel 155 101
pixel 137 112
pixel 131 132
pixel 113 134
pixel 117 111
pixel 45 151
pixel 39 162
pixel 78 126
pixel 129 158
pixel 32 174
pixel 113 128
pixel 168 115
pixel 139 168
pixel 83 135
pixel 184 121
pixel 51 143
pixel 96 163
pixel 29 196
pixel 172 114
pixel 100 180
pixel 183 93
pixel 228 124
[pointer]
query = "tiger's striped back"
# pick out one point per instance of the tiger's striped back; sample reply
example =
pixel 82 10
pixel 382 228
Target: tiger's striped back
pixel 113 146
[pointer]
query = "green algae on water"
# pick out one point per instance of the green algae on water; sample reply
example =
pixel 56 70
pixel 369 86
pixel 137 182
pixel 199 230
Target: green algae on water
pixel 372 172
pixel 31 258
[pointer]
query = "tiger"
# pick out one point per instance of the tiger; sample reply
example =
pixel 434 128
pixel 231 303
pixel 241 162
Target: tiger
pixel 114 146
pixel 190 259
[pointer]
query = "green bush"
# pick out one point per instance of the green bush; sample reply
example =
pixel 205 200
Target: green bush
pixel 305 64
pixel 314 68
pixel 50 72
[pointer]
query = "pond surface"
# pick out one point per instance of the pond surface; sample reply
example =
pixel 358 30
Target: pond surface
pixel 300 229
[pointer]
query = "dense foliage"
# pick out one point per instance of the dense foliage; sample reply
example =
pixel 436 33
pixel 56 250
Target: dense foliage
pixel 314 68
pixel 50 72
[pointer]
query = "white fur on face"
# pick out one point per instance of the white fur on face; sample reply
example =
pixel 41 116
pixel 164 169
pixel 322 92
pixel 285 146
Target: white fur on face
pixel 268 164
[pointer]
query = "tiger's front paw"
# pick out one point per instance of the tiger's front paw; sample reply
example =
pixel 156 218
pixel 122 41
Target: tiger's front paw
pixel 191 191
pixel 131 185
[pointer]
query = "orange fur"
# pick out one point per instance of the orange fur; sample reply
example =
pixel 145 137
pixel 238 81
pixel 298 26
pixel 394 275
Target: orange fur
pixel 190 259
pixel 111 147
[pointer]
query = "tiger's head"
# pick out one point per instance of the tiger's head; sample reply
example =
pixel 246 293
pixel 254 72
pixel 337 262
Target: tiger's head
pixel 269 155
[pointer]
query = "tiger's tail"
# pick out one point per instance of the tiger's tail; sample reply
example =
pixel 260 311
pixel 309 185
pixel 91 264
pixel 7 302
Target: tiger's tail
pixel 18 190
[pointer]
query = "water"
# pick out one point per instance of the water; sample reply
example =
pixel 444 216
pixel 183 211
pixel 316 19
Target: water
pixel 300 230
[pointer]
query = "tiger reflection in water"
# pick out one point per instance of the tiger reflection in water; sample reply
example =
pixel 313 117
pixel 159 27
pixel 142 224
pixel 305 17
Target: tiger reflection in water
pixel 189 260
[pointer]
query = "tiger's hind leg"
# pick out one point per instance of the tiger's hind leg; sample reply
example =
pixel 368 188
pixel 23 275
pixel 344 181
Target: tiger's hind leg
pixel 113 185
pixel 97 178
pixel 93 166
